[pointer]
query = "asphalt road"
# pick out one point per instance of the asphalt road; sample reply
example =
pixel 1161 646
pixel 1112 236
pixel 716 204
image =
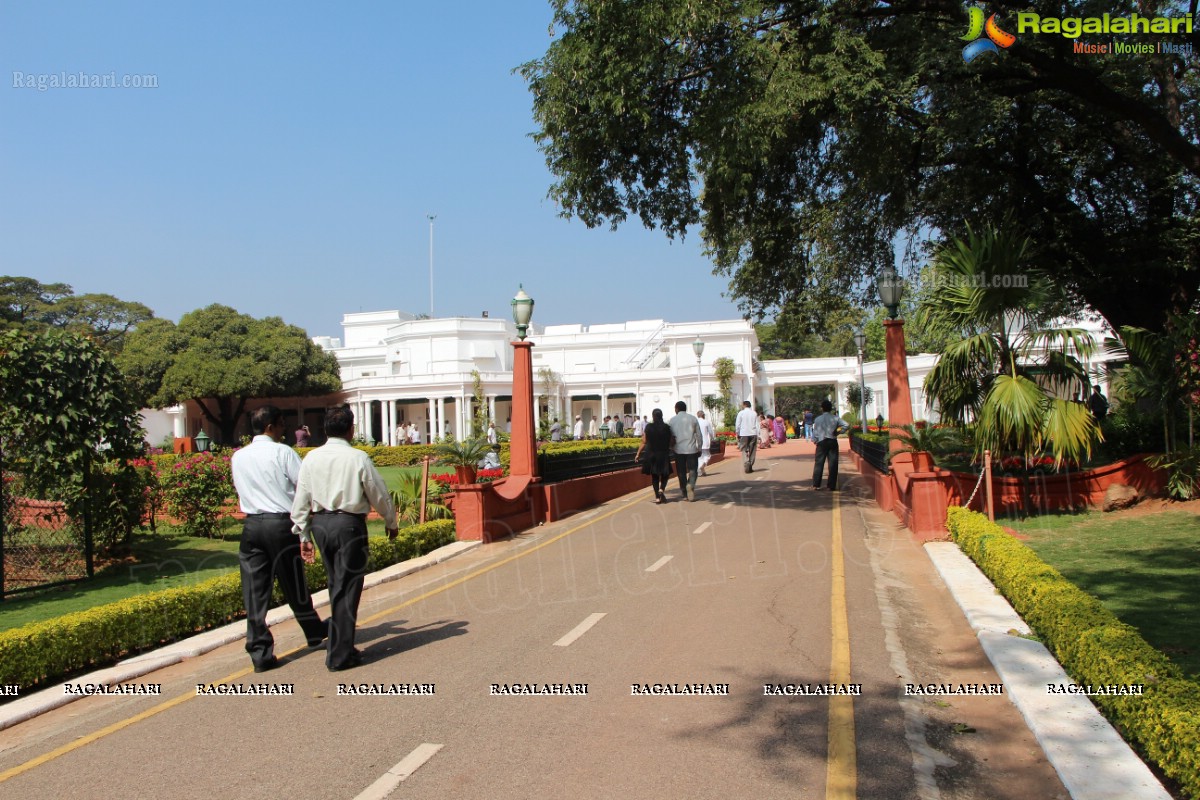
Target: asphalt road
pixel 741 589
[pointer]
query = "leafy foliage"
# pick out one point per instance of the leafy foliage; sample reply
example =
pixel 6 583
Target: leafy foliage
pixel 219 358
pixel 196 488
pixel 1008 366
pixel 407 500
pixel 69 427
pixel 33 306
pixel 804 137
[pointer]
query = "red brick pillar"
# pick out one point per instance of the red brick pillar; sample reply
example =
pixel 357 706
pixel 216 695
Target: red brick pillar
pixel 899 401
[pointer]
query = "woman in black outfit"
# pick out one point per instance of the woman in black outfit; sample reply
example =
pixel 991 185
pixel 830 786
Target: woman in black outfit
pixel 657 442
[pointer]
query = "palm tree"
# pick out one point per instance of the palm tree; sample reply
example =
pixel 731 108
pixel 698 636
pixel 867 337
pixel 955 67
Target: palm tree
pixel 407 500
pixel 1007 367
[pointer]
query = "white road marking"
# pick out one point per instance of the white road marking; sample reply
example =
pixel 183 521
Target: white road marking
pixel 760 477
pixel 392 778
pixel 703 527
pixel 579 630
pixel 728 505
pixel 657 565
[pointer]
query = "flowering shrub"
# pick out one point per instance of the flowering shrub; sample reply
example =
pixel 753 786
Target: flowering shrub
pixel 153 494
pixel 481 476
pixel 195 489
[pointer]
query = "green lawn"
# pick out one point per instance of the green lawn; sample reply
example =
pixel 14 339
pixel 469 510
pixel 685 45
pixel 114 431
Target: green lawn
pixel 158 561
pixel 1145 569
pixel 392 474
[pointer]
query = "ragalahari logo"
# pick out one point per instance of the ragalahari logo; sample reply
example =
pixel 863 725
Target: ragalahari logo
pixel 996 38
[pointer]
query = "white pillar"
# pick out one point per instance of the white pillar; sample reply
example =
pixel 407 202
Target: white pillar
pixel 389 424
pixel 432 421
pixel 491 407
pixel 441 417
pixel 178 415
pixel 603 402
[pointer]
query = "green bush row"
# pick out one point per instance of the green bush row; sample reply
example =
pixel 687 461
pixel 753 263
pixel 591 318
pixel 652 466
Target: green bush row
pixel 43 652
pixel 554 449
pixel 1094 647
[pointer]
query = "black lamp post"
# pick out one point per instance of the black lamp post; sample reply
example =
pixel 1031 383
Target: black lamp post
pixel 879 422
pixel 203 443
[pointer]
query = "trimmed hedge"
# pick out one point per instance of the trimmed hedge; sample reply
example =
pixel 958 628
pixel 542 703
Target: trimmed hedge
pixel 1094 648
pixel 43 652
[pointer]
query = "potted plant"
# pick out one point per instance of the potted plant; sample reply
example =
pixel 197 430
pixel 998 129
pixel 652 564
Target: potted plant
pixel 464 456
pixel 923 443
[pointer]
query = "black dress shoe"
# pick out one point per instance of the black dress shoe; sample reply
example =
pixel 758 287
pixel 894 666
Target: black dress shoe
pixel 268 665
pixel 353 661
pixel 319 642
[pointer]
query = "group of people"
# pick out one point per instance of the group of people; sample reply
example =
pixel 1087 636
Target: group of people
pixel 685 443
pixel 408 432
pixel 750 428
pixel 292 505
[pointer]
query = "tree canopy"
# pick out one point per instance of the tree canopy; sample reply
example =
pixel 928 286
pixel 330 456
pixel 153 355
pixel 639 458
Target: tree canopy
pixel 221 358
pixel 806 138
pixel 34 306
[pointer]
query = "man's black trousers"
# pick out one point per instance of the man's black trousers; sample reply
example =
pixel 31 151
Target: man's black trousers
pixel 826 448
pixel 342 540
pixel 270 550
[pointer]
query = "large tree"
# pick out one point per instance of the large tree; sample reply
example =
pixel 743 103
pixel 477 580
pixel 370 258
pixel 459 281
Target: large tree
pixel 805 138
pixel 221 358
pixel 34 306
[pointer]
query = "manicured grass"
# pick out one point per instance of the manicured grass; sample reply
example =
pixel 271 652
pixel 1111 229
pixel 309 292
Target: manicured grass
pixel 1145 569
pixel 393 474
pixel 157 561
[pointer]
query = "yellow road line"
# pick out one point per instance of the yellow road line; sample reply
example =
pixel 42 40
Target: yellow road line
pixel 183 698
pixel 841 774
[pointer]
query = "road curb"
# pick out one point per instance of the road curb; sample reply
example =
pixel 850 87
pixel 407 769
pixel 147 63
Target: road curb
pixel 53 697
pixel 1090 757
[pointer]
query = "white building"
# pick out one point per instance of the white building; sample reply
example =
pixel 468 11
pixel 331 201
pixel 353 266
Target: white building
pixel 396 368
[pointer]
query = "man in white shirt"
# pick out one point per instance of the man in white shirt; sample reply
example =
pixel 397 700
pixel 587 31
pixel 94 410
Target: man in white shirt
pixel 706 439
pixel 414 435
pixel 825 430
pixel 746 428
pixel 264 474
pixel 555 431
pixel 337 486
pixel 593 429
pixel 578 431
pixel 638 427
pixel 686 432
pixel 492 437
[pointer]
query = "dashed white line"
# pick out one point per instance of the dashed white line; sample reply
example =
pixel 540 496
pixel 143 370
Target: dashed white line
pixel 392 778
pixel 728 505
pixel 657 565
pixel 579 630
pixel 702 528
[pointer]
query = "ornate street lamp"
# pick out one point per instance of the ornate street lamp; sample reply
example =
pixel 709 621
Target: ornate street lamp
pixel 698 349
pixel 603 432
pixel 203 443
pixel 879 422
pixel 860 340
pixel 891 290
pixel 522 311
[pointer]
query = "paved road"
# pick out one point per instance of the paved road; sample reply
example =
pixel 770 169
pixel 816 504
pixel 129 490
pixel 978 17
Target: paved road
pixel 744 588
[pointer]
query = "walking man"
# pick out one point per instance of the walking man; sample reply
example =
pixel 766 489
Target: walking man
pixel 338 485
pixel 706 440
pixel 264 474
pixel 746 428
pixel 686 431
pixel 825 430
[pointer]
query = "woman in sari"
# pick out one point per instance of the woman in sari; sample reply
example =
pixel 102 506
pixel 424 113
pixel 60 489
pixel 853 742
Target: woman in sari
pixel 780 431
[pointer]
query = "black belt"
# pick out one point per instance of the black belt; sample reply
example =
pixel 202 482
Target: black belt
pixel 339 511
pixel 272 515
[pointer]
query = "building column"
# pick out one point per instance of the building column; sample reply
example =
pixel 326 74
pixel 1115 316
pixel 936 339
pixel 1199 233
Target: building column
pixel 432 421
pixel 603 403
pixel 491 407
pixel 389 424
pixel 441 417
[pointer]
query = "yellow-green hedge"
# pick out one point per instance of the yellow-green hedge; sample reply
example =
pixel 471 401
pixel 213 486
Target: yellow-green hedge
pixel 1094 648
pixel 43 652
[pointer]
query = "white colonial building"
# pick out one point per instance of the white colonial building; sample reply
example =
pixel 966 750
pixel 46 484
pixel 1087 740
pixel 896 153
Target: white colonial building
pixel 396 369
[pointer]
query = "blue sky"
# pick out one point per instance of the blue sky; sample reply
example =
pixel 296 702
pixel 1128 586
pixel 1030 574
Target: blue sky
pixel 287 160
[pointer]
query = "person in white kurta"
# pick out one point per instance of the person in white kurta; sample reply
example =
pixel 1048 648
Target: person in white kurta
pixel 706 439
